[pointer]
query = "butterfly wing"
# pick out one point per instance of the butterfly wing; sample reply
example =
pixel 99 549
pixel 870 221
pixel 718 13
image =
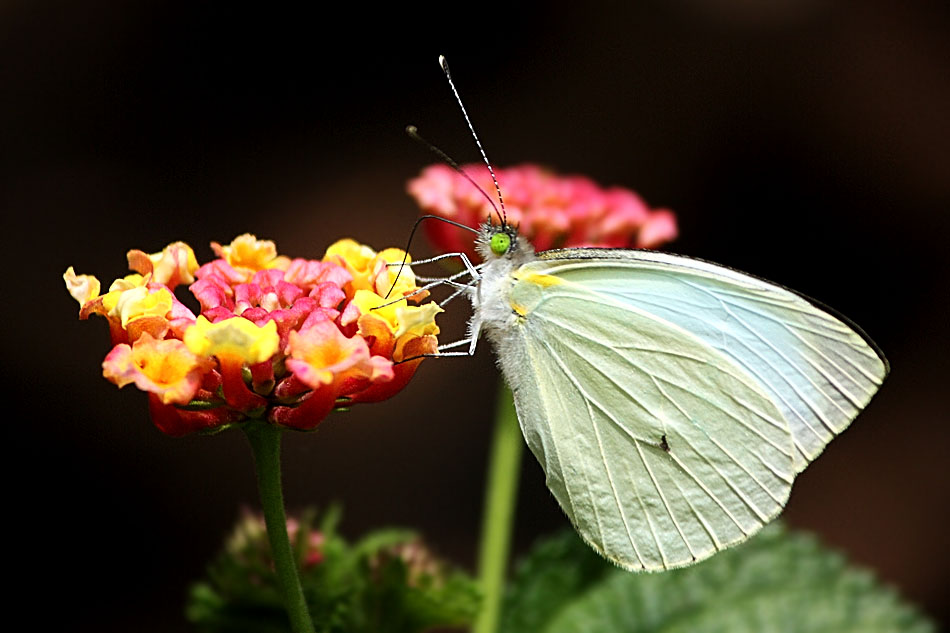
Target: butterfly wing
pixel 819 369
pixel 659 437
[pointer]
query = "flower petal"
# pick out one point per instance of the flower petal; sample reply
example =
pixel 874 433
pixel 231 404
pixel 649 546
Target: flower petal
pixel 176 264
pixel 321 355
pixel 236 337
pixel 417 320
pixel 248 252
pixel 659 229
pixel 83 288
pixel 163 367
pixel 402 373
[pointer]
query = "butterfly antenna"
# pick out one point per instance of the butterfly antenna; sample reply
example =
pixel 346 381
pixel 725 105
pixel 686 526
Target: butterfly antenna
pixel 413 133
pixel 445 68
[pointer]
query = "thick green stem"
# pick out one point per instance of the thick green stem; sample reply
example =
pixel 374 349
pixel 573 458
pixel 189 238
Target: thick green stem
pixel 265 443
pixel 504 468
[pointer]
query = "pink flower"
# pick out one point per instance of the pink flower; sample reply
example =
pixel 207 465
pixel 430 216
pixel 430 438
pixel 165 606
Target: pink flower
pixel 551 210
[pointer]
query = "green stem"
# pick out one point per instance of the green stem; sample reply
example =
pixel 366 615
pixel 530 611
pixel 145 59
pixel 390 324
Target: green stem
pixel 504 468
pixel 265 443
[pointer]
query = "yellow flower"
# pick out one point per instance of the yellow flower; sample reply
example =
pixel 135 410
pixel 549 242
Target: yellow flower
pixel 399 317
pixel 136 303
pixel 234 338
pixel 370 270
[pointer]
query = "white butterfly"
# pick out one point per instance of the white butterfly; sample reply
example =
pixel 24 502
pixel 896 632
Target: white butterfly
pixel 670 401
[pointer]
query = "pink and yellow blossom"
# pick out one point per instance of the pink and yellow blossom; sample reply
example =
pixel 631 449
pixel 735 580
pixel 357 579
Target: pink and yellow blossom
pixel 321 355
pixel 277 339
pixel 133 305
pixel 174 265
pixel 163 367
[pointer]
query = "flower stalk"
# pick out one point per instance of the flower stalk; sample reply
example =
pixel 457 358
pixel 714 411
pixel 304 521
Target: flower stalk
pixel 265 444
pixel 501 495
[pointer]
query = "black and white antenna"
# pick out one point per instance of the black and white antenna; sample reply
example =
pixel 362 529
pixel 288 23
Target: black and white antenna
pixel 445 68
pixel 413 133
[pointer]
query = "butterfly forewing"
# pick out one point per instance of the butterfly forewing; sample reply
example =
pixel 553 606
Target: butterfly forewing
pixel 660 448
pixel 818 370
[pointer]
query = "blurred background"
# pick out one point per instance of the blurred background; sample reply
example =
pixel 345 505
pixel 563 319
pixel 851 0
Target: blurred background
pixel 808 143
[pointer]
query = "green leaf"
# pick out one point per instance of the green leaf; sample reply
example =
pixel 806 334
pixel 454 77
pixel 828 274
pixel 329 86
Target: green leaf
pixel 555 572
pixel 778 581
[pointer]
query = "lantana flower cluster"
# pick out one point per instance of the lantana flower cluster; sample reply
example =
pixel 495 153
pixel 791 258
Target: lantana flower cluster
pixel 277 339
pixel 551 210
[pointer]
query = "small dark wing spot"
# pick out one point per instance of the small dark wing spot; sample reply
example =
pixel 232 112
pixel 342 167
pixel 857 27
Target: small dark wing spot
pixel 664 444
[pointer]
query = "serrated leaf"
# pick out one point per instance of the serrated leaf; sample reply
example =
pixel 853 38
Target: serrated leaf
pixel 555 572
pixel 778 581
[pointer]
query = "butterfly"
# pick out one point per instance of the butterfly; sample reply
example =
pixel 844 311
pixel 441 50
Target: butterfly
pixel 670 401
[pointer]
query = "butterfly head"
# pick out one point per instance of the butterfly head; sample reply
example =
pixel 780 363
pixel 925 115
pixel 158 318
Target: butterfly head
pixel 500 241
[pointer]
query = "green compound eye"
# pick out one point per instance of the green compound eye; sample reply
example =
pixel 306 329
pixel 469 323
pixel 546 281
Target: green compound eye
pixel 500 243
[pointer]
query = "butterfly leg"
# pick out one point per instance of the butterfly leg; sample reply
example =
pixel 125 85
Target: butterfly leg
pixel 439 281
pixel 444 354
pixel 469 267
pixel 464 341
pixel 461 289
pixel 428 260
pixel 438 355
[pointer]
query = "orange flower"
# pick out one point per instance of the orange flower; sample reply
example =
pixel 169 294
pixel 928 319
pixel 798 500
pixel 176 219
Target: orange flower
pixel 277 339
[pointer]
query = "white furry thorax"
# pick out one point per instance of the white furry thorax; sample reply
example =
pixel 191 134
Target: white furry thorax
pixel 491 308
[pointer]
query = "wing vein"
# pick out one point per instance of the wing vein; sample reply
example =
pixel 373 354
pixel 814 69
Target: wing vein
pixel 666 504
pixel 814 408
pixel 590 415
pixel 613 349
pixel 633 438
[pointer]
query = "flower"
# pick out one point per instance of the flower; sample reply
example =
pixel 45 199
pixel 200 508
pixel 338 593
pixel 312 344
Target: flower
pixel 163 367
pixel 248 547
pixel 277 339
pixel 551 210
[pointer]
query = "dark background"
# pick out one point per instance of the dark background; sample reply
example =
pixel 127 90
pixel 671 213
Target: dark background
pixel 807 143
